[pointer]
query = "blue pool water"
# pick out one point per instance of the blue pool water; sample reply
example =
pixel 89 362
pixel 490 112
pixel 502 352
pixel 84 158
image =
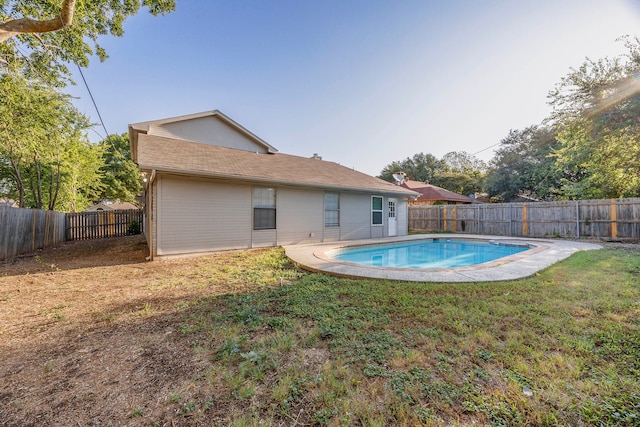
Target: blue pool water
pixel 432 253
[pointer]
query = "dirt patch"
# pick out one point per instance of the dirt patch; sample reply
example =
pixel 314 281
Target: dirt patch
pixel 89 335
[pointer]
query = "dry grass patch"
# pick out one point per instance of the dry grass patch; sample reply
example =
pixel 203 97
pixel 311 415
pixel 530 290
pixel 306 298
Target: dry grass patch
pixel 92 334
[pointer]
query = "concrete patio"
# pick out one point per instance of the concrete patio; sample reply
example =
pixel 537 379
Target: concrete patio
pixel 545 252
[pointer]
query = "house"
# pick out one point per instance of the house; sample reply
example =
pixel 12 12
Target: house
pixel 111 206
pixel 432 194
pixel 210 184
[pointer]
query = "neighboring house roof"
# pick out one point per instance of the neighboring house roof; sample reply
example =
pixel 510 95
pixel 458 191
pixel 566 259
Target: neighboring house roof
pixel 142 128
pixel 111 206
pixel 192 158
pixel 434 193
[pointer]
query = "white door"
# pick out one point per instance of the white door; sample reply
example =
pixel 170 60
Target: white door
pixel 393 219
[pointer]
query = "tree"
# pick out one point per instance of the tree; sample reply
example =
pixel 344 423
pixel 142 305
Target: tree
pixel 121 177
pixel 597 119
pixel 45 158
pixel 464 173
pixel 457 171
pixel 421 167
pixel 523 165
pixel 41 37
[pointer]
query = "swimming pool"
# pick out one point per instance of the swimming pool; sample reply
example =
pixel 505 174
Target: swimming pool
pixel 428 253
pixel 543 253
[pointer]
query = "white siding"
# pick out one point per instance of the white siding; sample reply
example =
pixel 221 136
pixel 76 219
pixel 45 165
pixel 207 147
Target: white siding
pixel 207 130
pixel 264 238
pixel 355 216
pixel 300 216
pixel 200 216
pixel 331 234
pixel 402 212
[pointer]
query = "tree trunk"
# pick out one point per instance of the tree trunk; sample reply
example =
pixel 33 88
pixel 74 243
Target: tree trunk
pixel 28 25
pixel 18 177
pixel 53 193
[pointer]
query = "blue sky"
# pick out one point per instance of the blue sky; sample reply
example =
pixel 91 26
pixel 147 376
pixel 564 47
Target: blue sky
pixel 361 82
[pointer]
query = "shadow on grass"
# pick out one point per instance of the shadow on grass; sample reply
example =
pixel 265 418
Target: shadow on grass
pixel 79 254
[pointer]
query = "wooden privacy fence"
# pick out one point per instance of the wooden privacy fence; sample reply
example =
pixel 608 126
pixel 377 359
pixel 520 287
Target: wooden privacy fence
pixel 611 218
pixel 26 230
pixel 99 224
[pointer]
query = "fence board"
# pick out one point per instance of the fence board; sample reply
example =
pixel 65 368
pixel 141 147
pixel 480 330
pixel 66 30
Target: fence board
pixel 26 230
pixel 615 218
pixel 100 224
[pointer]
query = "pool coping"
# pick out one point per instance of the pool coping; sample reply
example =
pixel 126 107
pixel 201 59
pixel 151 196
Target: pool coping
pixel 545 252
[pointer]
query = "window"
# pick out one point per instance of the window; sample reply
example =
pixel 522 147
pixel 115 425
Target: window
pixel 264 208
pixel 376 210
pixel 331 209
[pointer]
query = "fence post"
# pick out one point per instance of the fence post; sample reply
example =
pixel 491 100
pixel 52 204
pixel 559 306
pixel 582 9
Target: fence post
pixel 444 218
pixel 614 218
pixel 478 219
pixel 510 219
pixel 454 221
pixel 577 219
pixel 33 229
pixel 525 224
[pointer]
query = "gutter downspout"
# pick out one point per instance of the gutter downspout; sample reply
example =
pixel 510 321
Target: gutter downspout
pixel 150 214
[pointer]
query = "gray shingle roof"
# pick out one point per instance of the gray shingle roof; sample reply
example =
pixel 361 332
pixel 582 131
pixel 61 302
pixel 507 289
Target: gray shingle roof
pixel 192 158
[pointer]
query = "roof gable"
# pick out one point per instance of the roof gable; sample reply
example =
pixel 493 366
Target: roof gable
pixel 208 127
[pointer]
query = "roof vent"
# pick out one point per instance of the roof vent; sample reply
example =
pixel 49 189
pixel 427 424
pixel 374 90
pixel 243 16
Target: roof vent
pixel 316 157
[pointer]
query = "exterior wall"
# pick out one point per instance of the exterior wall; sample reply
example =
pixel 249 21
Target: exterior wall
pixel 402 212
pixel 331 234
pixel 355 216
pixel 193 216
pixel 201 215
pixel 300 216
pixel 263 238
pixel 207 130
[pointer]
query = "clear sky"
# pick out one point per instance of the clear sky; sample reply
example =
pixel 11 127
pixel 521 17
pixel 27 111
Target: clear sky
pixel 360 82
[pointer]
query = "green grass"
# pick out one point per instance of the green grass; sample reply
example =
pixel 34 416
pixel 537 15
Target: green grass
pixel 560 348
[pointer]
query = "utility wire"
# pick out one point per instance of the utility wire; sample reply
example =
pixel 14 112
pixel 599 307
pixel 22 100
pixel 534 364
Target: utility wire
pixel 97 133
pixel 93 100
pixel 485 149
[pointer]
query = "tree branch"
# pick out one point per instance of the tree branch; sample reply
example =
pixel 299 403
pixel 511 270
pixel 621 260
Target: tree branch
pixel 28 25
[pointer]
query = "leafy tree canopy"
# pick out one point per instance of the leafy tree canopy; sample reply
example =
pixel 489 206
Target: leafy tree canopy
pixel 597 119
pixel 421 167
pixel 121 177
pixel 46 161
pixel 523 165
pixel 43 36
pixel 457 171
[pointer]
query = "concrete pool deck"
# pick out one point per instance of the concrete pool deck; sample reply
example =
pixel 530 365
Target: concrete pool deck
pixel 313 257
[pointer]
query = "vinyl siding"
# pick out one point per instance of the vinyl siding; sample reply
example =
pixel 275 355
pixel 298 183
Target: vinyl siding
pixel 402 212
pixel 379 231
pixel 355 216
pixel 207 130
pixel 193 216
pixel 264 238
pixel 331 234
pixel 300 216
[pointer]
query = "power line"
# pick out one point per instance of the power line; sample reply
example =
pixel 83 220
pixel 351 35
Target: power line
pixel 39 72
pixel 93 100
pixel 97 133
pixel 485 149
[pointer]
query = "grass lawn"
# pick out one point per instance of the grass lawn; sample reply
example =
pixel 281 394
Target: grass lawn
pixel 279 346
